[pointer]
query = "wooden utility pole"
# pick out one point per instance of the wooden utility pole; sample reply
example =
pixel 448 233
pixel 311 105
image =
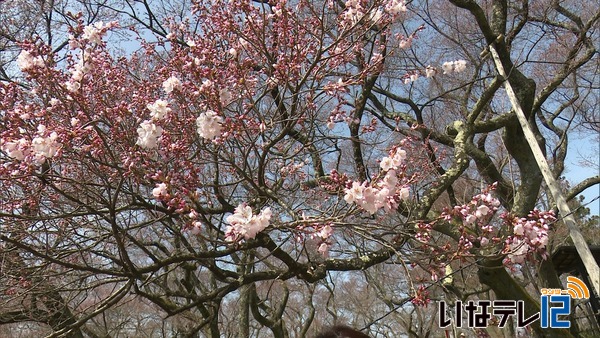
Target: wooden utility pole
pixel 578 240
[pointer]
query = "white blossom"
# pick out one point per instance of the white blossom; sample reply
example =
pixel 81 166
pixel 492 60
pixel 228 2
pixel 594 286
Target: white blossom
pixel 72 86
pixel 244 224
pixel 77 75
pixel 17 150
pixel 79 70
pixel 405 43
pixel 386 163
pixel 404 193
pixel 393 162
pixel 430 71
pixel 354 193
pixel 447 67
pixel 326 232
pixel 27 61
pixel 45 147
pixel 209 125
pixel 171 84
pixel 470 219
pixel 390 180
pixel 454 66
pixel 159 109
pixel 148 134
pixel 323 248
pixel 206 85
pixel 518 252
pixel 93 33
pixel 395 7
pixel 460 65
pixel 353 13
pixel 371 200
pixel 196 228
pixel 482 211
pixel 225 97
pixel 160 190
pixel 518 229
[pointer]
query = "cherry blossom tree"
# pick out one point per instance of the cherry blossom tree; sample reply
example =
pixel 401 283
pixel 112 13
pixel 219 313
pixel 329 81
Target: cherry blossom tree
pixel 238 163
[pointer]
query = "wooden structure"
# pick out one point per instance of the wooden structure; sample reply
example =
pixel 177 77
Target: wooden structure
pixel 566 259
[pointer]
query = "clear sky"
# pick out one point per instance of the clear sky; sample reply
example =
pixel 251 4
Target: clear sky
pixel 583 161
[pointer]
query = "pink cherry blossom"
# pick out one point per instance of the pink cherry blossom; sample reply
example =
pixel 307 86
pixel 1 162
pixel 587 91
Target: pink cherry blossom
pixel 27 61
pixel 209 125
pixel 45 146
pixel 430 71
pixel 482 211
pixel 148 135
pixel 448 67
pixel 395 7
pixel 171 84
pixel 323 248
pixel 160 190
pixel 405 43
pixel 460 65
pixel 244 224
pixel 93 32
pixel 159 109
pixel 326 232
pixel 196 228
pixel 355 193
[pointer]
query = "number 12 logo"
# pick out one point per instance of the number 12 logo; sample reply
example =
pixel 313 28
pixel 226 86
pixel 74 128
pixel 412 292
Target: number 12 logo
pixel 549 315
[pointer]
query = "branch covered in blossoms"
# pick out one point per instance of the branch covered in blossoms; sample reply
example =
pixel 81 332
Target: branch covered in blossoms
pixel 243 224
pixel 383 192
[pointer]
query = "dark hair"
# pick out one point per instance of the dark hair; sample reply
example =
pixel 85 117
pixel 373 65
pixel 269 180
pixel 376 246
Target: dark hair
pixel 341 331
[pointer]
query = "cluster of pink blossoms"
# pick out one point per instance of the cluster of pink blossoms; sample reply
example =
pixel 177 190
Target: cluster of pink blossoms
pixel 454 66
pixel 323 235
pixel 430 71
pixel 209 125
pixel 94 32
pixel 318 231
pixel 26 61
pixel 477 211
pixel 91 37
pixel 421 296
pixel 381 193
pixel 41 147
pixel 355 10
pixel 475 218
pixel 159 109
pixel 148 134
pixel 244 224
pixel 530 235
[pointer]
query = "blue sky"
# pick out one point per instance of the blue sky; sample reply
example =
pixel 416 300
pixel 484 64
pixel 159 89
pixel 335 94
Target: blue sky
pixel 583 161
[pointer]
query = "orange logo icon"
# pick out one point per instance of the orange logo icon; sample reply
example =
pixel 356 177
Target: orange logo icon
pixel 576 288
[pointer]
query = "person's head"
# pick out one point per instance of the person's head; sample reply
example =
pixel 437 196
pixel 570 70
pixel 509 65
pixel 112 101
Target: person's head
pixel 341 331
